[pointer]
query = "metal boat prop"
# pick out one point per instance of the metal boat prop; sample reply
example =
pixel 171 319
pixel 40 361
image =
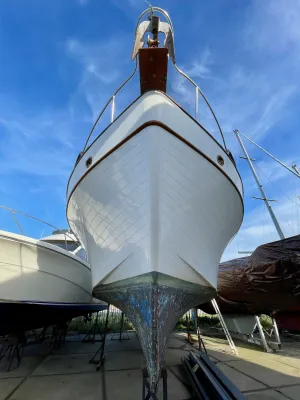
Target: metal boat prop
pixel 154 200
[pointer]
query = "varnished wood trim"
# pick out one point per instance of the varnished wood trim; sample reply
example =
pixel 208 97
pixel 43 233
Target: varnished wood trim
pixel 182 109
pixel 134 133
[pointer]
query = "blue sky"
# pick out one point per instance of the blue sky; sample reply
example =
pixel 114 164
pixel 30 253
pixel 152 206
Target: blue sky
pixel 62 60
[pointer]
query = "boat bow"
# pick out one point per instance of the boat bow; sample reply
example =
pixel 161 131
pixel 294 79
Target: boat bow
pixel 154 200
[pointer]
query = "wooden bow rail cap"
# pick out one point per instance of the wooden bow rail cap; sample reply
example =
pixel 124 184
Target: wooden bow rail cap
pixel 153 62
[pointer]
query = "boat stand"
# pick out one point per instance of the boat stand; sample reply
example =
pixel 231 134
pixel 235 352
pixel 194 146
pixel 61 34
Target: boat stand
pixel 39 336
pixel 201 344
pixel 266 338
pixel 189 338
pixel 147 394
pixel 58 336
pixel 13 348
pixel 100 351
pixel 249 329
pixel 121 332
pixel 91 334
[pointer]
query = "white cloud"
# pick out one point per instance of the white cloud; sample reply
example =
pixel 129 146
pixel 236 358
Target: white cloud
pixel 200 67
pixel 274 171
pixel 273 26
pixel 98 59
pixel 40 146
pixel 45 143
pixel 248 101
pixel 103 64
pixel 273 110
pixel 254 91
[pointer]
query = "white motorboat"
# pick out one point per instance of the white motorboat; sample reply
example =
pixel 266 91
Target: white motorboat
pixel 41 283
pixel 154 200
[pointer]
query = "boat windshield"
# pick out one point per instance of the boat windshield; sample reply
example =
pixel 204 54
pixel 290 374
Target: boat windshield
pixel 72 247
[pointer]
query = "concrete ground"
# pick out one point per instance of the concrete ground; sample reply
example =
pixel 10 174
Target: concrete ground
pixel 65 373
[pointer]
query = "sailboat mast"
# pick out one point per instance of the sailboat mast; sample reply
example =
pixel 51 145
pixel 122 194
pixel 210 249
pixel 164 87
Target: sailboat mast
pixel 260 187
pixel 293 170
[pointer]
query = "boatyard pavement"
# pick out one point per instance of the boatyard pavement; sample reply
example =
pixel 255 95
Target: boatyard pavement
pixel 65 373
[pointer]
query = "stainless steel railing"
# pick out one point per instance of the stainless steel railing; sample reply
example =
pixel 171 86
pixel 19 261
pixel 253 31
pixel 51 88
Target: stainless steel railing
pixel 13 213
pixel 197 88
pixel 197 91
pixel 112 101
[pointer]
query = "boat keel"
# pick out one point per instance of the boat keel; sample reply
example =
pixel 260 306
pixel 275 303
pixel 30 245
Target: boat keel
pixel 154 302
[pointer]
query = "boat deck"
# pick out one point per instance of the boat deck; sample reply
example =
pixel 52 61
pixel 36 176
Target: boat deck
pixel 66 374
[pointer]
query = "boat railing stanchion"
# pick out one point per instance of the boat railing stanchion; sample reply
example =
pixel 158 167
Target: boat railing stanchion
pixel 106 105
pixel 196 103
pixel 112 109
pixel 102 347
pixel 224 326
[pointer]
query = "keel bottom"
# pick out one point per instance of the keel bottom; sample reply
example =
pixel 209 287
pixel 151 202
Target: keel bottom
pixel 154 302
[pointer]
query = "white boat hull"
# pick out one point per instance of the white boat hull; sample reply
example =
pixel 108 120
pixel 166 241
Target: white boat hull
pixel 34 271
pixel 154 201
pixel 155 204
